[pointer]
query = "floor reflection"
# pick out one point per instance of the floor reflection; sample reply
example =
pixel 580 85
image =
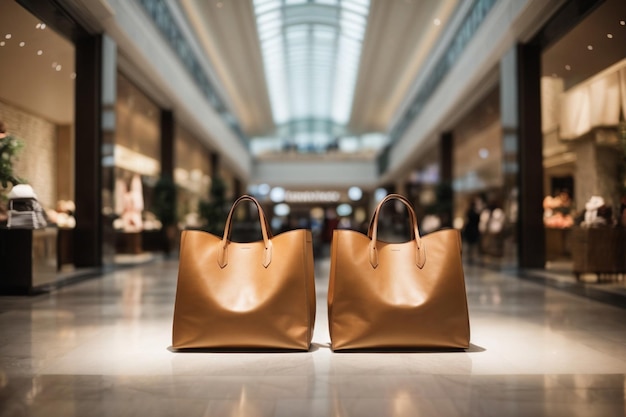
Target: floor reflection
pixel 100 348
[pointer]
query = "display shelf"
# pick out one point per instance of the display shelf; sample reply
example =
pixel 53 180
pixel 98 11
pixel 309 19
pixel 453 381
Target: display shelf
pixel 128 243
pixel 600 251
pixel 28 259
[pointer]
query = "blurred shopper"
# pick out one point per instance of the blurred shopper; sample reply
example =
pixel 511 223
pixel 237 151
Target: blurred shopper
pixel 491 227
pixel 471 232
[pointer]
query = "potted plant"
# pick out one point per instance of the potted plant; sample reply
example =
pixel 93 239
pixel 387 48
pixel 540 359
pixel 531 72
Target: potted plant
pixel 215 210
pixel 10 146
pixel 165 209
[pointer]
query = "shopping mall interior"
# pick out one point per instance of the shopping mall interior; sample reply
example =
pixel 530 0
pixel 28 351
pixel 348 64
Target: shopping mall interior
pixel 128 124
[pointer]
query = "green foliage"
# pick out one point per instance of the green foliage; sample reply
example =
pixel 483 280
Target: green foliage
pixel 10 146
pixel 215 210
pixel 164 205
pixel 442 207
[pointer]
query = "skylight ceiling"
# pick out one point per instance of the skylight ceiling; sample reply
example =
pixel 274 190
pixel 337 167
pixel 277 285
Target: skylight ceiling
pixel 311 51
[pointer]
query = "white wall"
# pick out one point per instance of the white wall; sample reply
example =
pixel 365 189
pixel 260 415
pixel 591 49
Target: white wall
pixel 509 22
pixel 316 173
pixel 149 61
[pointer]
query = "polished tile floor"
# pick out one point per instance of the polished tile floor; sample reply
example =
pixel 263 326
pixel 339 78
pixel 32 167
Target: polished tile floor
pixel 102 348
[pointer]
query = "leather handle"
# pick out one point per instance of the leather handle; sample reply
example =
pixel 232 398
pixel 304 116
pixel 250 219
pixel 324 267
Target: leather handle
pixel 420 250
pixel 406 202
pixel 222 256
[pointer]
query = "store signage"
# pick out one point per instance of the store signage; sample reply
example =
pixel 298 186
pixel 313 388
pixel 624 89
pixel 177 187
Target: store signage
pixel 312 196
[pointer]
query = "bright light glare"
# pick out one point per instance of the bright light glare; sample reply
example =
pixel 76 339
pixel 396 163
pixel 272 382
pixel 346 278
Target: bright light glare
pixel 311 67
pixel 355 193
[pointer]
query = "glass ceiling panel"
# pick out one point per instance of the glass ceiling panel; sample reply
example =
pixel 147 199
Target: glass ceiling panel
pixel 311 51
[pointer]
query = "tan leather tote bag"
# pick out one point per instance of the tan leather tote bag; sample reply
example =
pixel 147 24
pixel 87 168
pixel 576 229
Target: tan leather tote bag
pixel 256 295
pixel 407 295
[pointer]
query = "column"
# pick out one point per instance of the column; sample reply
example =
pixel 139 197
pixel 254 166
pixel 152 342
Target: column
pixel 88 191
pixel 238 188
pixel 168 133
pixel 444 189
pixel 530 229
pixel 215 165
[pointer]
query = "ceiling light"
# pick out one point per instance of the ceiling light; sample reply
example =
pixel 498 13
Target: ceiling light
pixel 590 47
pixel 277 195
pixel 58 67
pixel 609 35
pixel 344 209
pixel 22 44
pixel 7 36
pixel 73 76
pixel 379 194
pixel 622 22
pixel 39 52
pixel 355 193
pixel 437 22
pixel 264 189
pixel 290 49
pixel 282 209
pixel 38 25
pixel 2 43
pixel 484 152
pixel 43 26
pixel 568 67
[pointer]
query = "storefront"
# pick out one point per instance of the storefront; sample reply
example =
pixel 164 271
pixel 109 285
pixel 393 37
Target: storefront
pixel 37 96
pixel 95 167
pixel 423 187
pixel 583 109
pixel 137 166
pixel 483 210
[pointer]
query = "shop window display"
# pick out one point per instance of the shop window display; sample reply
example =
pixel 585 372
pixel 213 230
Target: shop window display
pixel 598 242
pixel 137 226
pixel 27 244
pixel 129 205
pixel 558 218
pixel 137 169
pixel 192 178
pixel 558 211
pixel 63 214
pixel 583 111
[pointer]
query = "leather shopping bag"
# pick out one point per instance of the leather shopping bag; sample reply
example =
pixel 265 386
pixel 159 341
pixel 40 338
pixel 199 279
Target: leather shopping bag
pixel 407 295
pixel 255 295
